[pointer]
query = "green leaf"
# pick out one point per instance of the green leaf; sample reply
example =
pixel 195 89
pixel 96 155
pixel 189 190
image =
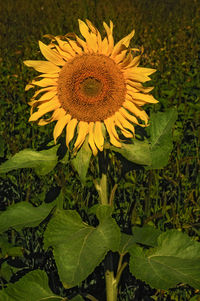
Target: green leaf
pixel 82 160
pixel 43 161
pixel 23 214
pixel 175 260
pixel 78 248
pixel 154 153
pixel 33 286
pixel 126 242
pixel 146 235
pixel 138 152
pixel 161 137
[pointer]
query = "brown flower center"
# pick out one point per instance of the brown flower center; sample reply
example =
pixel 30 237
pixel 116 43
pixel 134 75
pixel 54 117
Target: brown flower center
pixel 91 87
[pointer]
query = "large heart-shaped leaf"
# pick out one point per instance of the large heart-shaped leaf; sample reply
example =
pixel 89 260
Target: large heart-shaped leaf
pixel 24 214
pixel 32 287
pixel 78 248
pixel 175 260
pixel 42 161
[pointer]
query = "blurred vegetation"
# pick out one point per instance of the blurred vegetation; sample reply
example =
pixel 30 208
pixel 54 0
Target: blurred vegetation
pixel 169 30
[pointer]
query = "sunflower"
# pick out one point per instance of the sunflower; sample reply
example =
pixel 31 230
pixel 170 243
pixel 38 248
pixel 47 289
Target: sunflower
pixel 91 86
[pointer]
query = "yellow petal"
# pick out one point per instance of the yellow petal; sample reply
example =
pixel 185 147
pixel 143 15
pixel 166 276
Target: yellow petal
pixel 82 43
pixel 75 47
pixel 104 46
pixel 124 122
pixel 43 66
pixel 50 75
pixel 57 114
pixel 65 47
pixel 114 139
pixel 48 95
pixel 90 38
pixel 61 123
pixel 91 139
pixel 29 86
pixel 65 55
pixel 43 109
pixel 122 43
pixel 83 129
pixel 145 97
pixel 134 63
pixel 126 133
pixel 126 61
pixel 43 90
pixel 110 36
pixel 119 57
pixel 70 130
pixel 51 55
pixel 45 82
pixel 129 117
pixel 98 135
pixel 136 111
pixel 54 102
pixel 138 74
pixel 131 85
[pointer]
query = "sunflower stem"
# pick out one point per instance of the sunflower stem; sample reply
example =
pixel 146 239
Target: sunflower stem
pixel 111 283
pixel 102 188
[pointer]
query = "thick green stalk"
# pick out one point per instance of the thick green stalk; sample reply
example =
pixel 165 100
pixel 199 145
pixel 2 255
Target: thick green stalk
pixel 111 283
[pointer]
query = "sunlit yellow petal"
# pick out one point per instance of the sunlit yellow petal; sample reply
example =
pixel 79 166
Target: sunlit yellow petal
pixel 70 130
pixel 51 55
pixel 122 118
pixel 61 123
pixel 110 36
pixel 145 97
pixel 126 133
pixel 114 139
pixel 91 139
pixel 43 66
pixel 83 129
pixel 90 38
pixel 136 111
pixel 45 82
pixel 98 135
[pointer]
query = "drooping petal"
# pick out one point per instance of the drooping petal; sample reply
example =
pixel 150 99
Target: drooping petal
pixel 70 130
pixel 43 109
pixel 136 111
pixel 110 126
pixel 57 114
pixel 61 123
pixel 91 139
pixel 126 133
pixel 122 43
pixel 98 135
pixel 83 129
pixel 144 97
pixel 122 118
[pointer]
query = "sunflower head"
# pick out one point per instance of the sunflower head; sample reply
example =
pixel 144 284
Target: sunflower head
pixel 89 85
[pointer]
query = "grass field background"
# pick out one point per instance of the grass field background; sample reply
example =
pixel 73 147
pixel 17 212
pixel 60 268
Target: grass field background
pixel 168 198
